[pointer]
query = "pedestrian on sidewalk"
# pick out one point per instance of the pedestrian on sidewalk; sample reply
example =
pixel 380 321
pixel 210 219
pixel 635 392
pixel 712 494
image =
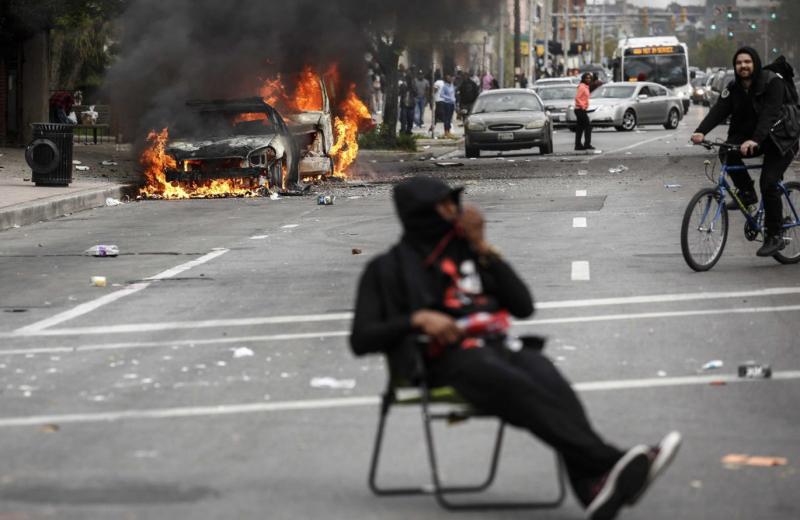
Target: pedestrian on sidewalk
pixel 438 108
pixel 422 87
pixel 408 100
pixel 584 125
pixel 448 93
pixel 444 272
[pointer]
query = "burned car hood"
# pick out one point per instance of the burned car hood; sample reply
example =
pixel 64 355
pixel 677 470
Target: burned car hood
pixel 214 148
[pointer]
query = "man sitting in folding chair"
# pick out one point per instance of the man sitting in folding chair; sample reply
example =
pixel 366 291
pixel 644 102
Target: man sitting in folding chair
pixel 444 281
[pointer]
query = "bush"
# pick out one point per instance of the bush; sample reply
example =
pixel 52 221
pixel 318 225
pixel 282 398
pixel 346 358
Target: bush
pixel 376 140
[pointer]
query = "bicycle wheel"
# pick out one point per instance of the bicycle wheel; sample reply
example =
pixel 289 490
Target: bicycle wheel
pixel 703 233
pixel 790 254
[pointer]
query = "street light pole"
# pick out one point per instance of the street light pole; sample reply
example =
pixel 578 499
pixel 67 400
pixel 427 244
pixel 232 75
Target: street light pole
pixel 501 47
pixel 546 23
pixel 603 35
pixel 531 41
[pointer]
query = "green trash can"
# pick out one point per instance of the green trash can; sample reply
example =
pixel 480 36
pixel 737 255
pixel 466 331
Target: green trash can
pixel 50 154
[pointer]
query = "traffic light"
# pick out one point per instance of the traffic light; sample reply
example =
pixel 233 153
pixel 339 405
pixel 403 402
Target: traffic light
pixel 729 13
pixel 754 26
pixel 730 34
pixel 713 26
pixel 773 15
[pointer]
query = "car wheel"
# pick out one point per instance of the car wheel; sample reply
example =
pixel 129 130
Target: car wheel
pixel 628 121
pixel 672 119
pixel 547 149
pixel 276 174
pixel 472 151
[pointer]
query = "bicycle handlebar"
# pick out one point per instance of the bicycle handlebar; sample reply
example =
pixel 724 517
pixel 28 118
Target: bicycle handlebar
pixel 708 145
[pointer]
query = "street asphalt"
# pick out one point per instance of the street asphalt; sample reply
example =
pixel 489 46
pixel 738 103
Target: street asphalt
pixel 211 377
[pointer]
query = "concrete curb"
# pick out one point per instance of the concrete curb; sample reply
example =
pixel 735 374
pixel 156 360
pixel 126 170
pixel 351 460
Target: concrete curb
pixel 54 207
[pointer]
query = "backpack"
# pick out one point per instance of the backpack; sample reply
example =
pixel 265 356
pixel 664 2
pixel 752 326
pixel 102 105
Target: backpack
pixel 786 131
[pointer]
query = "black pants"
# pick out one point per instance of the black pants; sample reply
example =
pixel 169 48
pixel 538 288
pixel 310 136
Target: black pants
pixel 584 127
pixel 526 390
pixel 406 119
pixel 775 165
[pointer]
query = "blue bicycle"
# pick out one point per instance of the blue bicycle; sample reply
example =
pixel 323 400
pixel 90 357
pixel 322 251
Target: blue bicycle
pixel 704 231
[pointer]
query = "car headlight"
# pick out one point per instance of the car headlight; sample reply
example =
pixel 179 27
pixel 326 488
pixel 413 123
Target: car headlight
pixel 536 123
pixel 700 92
pixel 476 126
pixel 681 93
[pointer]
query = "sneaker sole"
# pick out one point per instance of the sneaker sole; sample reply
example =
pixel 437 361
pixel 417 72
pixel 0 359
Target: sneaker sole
pixel 668 449
pixel 627 479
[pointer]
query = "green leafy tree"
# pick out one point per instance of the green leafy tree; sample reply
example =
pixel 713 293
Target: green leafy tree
pixel 784 30
pixel 714 52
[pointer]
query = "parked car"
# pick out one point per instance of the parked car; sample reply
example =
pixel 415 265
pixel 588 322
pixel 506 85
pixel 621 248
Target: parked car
pixel 507 119
pixel 625 106
pixel 556 100
pixel 548 82
pixel 720 81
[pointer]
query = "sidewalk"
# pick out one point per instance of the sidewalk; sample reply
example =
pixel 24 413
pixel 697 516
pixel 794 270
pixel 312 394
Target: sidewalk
pixel 427 146
pixel 23 203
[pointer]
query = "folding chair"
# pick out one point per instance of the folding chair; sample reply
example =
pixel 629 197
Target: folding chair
pixel 401 392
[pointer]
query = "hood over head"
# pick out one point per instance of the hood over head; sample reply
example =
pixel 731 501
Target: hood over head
pixel 415 201
pixel 756 60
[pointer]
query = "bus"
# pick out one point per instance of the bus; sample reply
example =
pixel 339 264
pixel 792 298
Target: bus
pixel 660 59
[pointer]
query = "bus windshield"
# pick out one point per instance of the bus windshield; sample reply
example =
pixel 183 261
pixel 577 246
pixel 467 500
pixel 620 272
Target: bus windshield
pixel 668 70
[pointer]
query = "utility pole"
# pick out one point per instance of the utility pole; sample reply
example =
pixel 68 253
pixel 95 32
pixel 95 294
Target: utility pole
pixel 546 23
pixel 566 37
pixel 603 34
pixel 517 44
pixel 501 47
pixel 531 42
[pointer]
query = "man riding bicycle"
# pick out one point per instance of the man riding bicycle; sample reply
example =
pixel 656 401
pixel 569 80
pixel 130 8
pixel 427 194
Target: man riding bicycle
pixel 753 101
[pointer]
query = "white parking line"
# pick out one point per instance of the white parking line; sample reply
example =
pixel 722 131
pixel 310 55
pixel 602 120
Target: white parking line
pixel 580 193
pixel 634 145
pixel 321 404
pixel 343 333
pixel 346 316
pixel 579 222
pixel 87 307
pixel 580 270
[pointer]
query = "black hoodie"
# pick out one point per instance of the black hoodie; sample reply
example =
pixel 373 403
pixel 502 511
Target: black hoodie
pixel 752 111
pixel 408 277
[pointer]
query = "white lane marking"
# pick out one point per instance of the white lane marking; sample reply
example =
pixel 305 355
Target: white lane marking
pixel 289 226
pixel 87 307
pixel 580 193
pixel 651 315
pixel 259 237
pixel 317 404
pixel 634 145
pixel 343 333
pixel 579 222
pixel 346 316
pixel 580 270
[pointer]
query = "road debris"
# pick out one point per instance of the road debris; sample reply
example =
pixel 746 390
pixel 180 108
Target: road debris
pixel 618 169
pixel 99 281
pixel 102 250
pixel 326 200
pixel 696 484
pixel 448 164
pixel 242 352
pixel 109 163
pixel 754 370
pixel 49 428
pixel 736 460
pixel 329 382
pixel 274 196
pixel 583 172
pixel 356 251
pixel 76 162
pixel 712 365
pixel 673 187
pixel 661 373
pixel 111 201
pixel 82 168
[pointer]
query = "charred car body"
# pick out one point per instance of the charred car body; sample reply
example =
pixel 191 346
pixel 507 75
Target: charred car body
pixel 249 139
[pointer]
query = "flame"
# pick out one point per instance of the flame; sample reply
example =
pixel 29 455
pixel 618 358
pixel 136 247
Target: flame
pixel 354 114
pixel 156 161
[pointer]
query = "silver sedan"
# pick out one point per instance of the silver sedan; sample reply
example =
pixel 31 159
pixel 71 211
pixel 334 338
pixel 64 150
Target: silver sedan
pixel 556 100
pixel 507 119
pixel 625 106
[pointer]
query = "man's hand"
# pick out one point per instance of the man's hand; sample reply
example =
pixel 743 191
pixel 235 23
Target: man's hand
pixel 697 138
pixel 473 224
pixel 748 148
pixel 437 325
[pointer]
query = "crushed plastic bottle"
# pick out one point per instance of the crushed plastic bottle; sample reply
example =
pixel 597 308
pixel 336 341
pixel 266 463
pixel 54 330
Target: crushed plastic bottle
pixel 103 250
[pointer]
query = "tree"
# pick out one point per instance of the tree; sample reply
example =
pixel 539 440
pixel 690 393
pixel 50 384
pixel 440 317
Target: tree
pixel 715 52
pixel 784 30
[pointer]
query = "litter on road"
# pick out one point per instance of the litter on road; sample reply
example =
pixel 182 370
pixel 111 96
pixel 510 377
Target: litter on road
pixel 109 163
pixel 274 196
pixel 329 382
pixel 673 187
pixel 326 200
pixel 711 365
pixel 755 370
pixel 618 169
pixel 448 164
pixel 735 460
pixel 82 168
pixel 356 251
pixel 242 352
pixel 99 281
pixel 111 201
pixel 103 250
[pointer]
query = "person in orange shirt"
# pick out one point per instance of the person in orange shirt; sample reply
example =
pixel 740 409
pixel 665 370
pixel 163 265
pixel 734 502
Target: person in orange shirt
pixel 584 126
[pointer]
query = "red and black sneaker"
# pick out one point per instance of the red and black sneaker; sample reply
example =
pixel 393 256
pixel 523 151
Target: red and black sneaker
pixel 627 479
pixel 660 457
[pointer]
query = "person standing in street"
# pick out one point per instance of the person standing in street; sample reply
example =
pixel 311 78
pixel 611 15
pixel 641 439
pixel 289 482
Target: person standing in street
pixel 584 126
pixel 467 94
pixel 408 100
pixel 438 109
pixel 487 81
pixel 422 87
pixel 754 100
pixel 448 104
pixel 443 272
